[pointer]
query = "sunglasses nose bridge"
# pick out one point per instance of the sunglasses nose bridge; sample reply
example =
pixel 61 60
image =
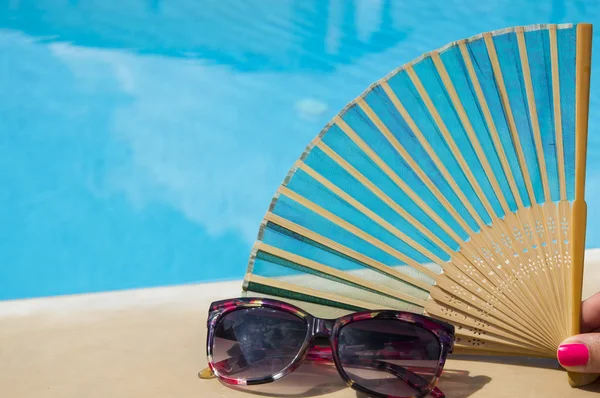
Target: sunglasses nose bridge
pixel 322 327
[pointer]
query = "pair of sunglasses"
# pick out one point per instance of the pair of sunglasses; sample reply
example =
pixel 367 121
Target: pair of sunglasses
pixel 385 354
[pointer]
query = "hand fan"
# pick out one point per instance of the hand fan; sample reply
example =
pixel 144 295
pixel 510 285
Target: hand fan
pixel 453 187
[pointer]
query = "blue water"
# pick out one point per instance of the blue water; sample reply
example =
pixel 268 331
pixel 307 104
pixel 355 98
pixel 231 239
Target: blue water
pixel 141 141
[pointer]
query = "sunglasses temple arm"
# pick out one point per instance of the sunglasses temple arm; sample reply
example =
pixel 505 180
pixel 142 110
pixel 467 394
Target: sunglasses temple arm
pixel 206 373
pixel 437 393
pixel 235 364
pixel 414 380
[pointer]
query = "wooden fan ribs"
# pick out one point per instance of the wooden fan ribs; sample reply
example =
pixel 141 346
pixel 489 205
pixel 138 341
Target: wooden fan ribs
pixel 426 180
pixel 505 285
pixel 560 155
pixel 358 232
pixel 543 172
pixel 466 123
pixel 499 77
pixel 454 149
pixel 379 220
pixel 441 69
pixel 405 187
pixel 490 124
pixel 359 257
pixel 345 276
pixel 537 291
pixel 387 200
pixel 492 283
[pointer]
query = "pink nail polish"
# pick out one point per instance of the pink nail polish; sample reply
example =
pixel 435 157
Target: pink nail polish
pixel 573 354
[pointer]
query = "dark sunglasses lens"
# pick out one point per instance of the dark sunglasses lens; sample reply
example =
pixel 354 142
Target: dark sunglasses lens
pixel 256 343
pixel 389 357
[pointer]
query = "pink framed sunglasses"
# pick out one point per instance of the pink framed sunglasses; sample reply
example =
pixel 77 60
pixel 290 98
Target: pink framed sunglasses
pixel 385 354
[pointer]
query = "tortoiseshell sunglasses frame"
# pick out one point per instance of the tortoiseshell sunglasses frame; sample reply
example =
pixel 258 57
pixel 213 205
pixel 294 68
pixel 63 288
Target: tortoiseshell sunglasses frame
pixel 330 329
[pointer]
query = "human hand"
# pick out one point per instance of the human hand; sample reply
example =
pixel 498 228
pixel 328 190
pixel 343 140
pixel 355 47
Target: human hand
pixel 581 353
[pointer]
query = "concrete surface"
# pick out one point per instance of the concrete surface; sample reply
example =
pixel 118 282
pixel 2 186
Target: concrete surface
pixel 151 343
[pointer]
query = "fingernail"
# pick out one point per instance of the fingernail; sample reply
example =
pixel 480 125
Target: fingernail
pixel 573 354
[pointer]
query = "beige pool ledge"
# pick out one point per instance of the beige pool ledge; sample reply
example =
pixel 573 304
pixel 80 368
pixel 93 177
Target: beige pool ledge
pixel 150 343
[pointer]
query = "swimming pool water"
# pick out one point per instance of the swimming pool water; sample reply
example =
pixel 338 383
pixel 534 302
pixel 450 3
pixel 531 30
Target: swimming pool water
pixel 141 141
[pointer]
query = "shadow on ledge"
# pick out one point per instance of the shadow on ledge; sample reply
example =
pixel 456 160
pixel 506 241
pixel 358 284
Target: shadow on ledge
pixel 313 380
pixel 456 384
pixel 543 363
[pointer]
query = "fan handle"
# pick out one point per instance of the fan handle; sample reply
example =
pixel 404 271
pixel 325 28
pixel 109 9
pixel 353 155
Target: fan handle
pixel 582 96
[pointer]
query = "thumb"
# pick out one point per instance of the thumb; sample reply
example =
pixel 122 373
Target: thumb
pixel 580 353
